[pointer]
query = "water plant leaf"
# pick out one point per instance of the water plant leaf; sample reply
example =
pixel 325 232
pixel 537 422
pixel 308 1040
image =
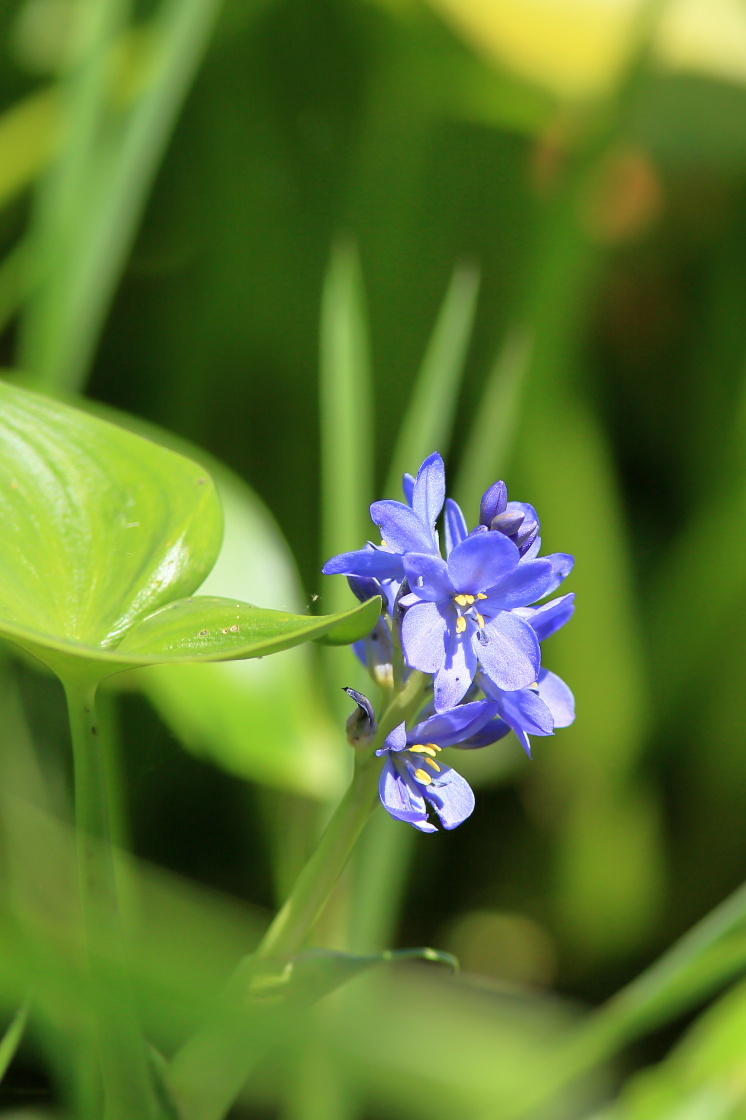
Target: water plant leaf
pixel 211 628
pixel 106 535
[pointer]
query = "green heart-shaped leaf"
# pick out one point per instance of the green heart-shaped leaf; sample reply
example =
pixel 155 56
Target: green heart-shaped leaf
pixel 105 535
pixel 100 527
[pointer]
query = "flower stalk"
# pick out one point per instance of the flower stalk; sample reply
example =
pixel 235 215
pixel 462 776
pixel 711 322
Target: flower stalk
pixel 207 1074
pixel 127 1085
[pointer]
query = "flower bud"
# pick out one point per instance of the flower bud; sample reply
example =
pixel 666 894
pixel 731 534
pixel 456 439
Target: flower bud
pixel 361 725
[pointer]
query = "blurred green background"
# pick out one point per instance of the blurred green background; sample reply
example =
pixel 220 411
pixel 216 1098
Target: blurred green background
pixel 205 205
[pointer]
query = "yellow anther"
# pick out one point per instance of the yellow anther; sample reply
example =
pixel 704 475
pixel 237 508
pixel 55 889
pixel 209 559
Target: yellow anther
pixel 423 777
pixel 421 748
pixel 383 544
pixel 434 765
pixel 460 624
pixel 480 620
pixel 435 746
pixel 481 595
pixel 463 600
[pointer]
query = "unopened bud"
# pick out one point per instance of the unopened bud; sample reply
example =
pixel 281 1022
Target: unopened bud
pixel 361 725
pixel 508 522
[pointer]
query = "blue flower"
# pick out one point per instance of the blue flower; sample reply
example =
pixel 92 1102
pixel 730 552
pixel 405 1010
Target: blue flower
pixel 405 527
pixel 415 779
pixel 538 710
pixel 461 613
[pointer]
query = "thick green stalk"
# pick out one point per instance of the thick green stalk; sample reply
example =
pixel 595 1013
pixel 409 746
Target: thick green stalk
pixel 127 1083
pixel 318 878
pixel 207 1074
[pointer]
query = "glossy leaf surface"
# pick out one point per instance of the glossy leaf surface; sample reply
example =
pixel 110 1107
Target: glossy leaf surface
pixel 105 536
pixel 209 628
pixel 100 527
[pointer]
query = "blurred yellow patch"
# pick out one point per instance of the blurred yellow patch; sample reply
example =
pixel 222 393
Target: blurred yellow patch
pixel 577 48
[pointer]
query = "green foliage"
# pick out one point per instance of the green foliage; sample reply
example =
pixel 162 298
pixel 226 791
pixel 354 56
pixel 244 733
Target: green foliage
pixel 601 374
pixel 106 535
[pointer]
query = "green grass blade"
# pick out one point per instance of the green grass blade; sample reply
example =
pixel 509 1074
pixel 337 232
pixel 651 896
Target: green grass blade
pixel 491 440
pixel 98 190
pixel 11 1040
pixel 65 193
pixel 703 960
pixel 346 415
pixel 429 418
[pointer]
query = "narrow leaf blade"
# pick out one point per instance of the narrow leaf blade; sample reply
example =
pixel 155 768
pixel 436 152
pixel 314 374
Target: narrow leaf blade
pixel 429 418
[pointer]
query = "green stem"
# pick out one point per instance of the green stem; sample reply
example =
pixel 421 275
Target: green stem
pixel 318 878
pixel 207 1074
pixel 127 1084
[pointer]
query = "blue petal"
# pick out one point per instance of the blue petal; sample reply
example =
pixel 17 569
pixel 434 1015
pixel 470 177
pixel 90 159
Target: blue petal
pixel 401 799
pixel 525 584
pixel 450 727
pixel 453 680
pixel 562 565
pixel 423 637
pixel 492 731
pixel 428 577
pixel 557 697
pixel 401 528
pixel 480 561
pixel 451 796
pixel 549 617
pixel 430 490
pixel 369 561
pixel 407 485
pixel 396 740
pixel 508 651
pixel 523 739
pixel 525 711
pixel 493 502
pixel 363 587
pixel 455 525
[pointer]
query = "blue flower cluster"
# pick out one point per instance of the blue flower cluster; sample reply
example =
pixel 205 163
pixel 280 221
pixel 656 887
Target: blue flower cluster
pixel 470 622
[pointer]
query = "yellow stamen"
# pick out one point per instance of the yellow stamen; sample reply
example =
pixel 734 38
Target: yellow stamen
pixel 463 600
pixel 480 620
pixel 435 746
pixel 383 544
pixel 421 748
pixel 434 765
pixel 460 624
pixel 423 777
pixel 481 595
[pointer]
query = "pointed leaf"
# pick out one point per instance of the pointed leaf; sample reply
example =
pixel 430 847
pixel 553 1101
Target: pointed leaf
pixel 11 1040
pixel 209 628
pixel 314 973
